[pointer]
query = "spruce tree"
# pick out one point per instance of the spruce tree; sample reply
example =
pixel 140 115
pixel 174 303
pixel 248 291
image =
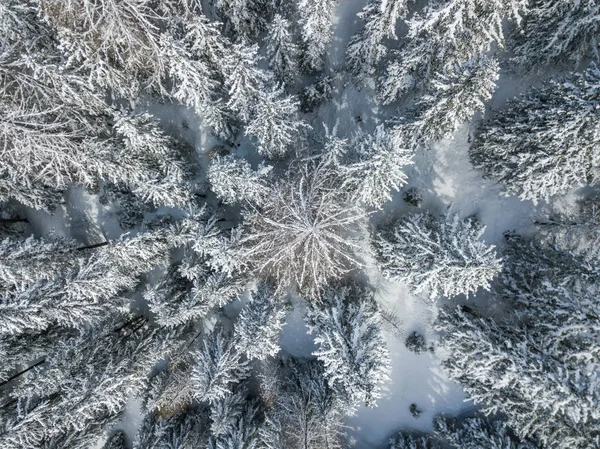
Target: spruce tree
pixel 557 32
pixel 347 330
pixel 282 51
pixel 366 48
pixel 537 364
pixel 439 256
pixel 316 31
pixel 545 142
pixel 446 34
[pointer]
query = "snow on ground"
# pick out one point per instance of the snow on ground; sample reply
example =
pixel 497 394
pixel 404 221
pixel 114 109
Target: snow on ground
pixel 416 378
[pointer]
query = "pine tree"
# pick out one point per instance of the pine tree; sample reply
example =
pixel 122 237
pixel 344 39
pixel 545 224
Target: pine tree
pixel 282 52
pixel 366 48
pixel 83 387
pixel 113 44
pixel 538 364
pixel 446 34
pixel 187 429
pixel 275 124
pixel 409 441
pixel 305 235
pixel 189 292
pixel 546 141
pixel 242 429
pixel 218 367
pixel 234 181
pixel 243 79
pixel 347 330
pixel 451 101
pixel 556 32
pixel 316 31
pixel 259 324
pixel 246 18
pixel 77 290
pixel 476 433
pixel 577 231
pixel 441 256
pixel 376 168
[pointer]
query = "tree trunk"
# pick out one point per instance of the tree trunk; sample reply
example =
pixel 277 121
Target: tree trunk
pixel 14 376
pixel 95 245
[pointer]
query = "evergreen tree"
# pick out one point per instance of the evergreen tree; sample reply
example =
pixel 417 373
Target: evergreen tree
pixel 234 181
pixel 243 79
pixel 275 124
pixel 114 44
pixel 259 324
pixel 451 101
pixel 282 51
pixel 241 431
pixel 376 168
pixel 446 34
pixel 347 330
pixel 538 364
pixel 441 256
pixel 557 31
pixel 409 441
pixel 246 18
pixel 82 290
pixel 218 367
pixel 476 433
pixel 316 31
pixel 366 48
pixel 186 429
pixel 83 387
pixel 546 141
pixel 577 231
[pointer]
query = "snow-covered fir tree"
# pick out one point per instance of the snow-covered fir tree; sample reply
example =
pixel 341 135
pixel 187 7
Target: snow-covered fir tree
pixel 244 18
pixel 557 32
pixel 259 324
pixel 576 230
pixel 219 366
pixel 282 51
pixel 451 101
pixel 366 48
pixel 305 234
pixel 476 433
pixel 83 288
pixel 275 123
pixel 241 430
pixel 114 44
pixel 545 142
pixel 83 386
pixel 243 79
pixel 409 441
pixel 187 428
pixel 347 329
pixel 376 167
pixel 234 181
pixel 442 256
pixel 316 21
pixel 446 34
pixel 537 364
